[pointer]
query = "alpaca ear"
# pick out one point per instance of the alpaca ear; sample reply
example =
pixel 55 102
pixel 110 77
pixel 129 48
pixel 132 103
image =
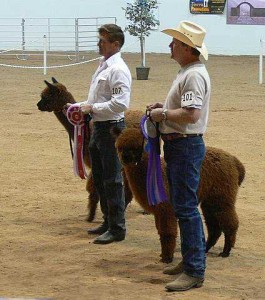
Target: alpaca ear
pixel 54 80
pixel 51 86
pixel 48 84
pixel 115 132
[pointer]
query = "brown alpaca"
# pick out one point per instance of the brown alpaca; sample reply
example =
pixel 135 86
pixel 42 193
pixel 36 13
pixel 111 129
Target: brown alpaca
pixel 53 99
pixel 221 176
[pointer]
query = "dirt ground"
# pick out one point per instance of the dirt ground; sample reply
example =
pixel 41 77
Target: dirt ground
pixel 45 250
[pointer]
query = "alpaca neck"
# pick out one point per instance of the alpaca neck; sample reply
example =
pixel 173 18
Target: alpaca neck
pixel 136 174
pixel 66 124
pixel 70 128
pixel 62 117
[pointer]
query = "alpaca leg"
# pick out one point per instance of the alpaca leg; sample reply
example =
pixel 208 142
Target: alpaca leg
pixel 168 244
pixel 166 225
pixel 214 232
pixel 220 220
pixel 127 191
pixel 229 223
pixel 213 226
pixel 92 198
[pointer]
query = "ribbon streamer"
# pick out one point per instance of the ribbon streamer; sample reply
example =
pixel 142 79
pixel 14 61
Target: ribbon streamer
pixel 154 182
pixel 76 117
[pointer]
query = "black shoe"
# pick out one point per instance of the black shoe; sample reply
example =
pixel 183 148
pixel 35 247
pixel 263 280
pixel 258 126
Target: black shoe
pixel 99 230
pixel 108 237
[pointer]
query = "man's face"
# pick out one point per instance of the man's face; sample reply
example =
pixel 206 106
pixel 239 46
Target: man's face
pixel 177 50
pixel 107 48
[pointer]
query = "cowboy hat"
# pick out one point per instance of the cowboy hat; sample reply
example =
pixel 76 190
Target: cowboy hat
pixel 191 34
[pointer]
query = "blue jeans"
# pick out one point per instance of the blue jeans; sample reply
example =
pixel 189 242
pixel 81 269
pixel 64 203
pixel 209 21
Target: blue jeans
pixel 184 157
pixel 107 177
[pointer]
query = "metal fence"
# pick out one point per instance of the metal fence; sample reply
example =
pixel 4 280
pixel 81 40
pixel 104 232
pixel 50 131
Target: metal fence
pixel 24 36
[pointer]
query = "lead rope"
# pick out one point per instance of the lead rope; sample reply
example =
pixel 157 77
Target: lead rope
pixel 71 146
pixel 64 110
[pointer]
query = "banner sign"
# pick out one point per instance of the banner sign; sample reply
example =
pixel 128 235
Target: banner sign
pixel 249 12
pixel 207 6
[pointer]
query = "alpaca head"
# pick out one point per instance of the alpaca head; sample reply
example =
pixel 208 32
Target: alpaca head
pixel 129 145
pixel 53 97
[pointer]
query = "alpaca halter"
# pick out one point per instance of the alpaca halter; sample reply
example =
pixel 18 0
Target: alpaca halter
pixel 154 180
pixel 76 117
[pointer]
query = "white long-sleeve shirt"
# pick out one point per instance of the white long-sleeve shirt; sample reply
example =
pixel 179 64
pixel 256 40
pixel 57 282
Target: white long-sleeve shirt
pixel 110 89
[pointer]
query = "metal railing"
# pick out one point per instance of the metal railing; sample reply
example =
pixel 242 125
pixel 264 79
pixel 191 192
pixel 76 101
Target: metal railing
pixel 25 36
pixel 262 43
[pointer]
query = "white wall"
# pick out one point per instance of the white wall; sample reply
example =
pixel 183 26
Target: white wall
pixel 221 37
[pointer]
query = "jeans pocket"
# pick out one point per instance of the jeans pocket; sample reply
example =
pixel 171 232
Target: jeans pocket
pixel 198 149
pixel 175 149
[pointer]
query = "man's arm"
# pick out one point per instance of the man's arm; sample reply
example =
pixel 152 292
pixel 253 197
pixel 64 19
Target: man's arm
pixel 179 115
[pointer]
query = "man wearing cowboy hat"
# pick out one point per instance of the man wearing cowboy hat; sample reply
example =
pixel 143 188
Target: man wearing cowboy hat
pixel 183 120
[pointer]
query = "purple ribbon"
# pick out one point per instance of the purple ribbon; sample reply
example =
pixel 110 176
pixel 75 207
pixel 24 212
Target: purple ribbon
pixel 154 181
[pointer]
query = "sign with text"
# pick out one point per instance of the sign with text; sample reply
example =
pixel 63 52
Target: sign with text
pixel 207 6
pixel 249 12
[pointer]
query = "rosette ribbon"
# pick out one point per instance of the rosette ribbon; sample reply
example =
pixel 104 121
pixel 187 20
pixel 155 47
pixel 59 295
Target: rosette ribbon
pixel 154 181
pixel 77 118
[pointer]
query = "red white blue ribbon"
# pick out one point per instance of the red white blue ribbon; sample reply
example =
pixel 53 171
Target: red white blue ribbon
pixel 76 117
pixel 154 181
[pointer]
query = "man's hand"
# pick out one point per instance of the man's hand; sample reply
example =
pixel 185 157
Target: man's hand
pixel 155 105
pixel 156 114
pixel 86 108
pixel 66 106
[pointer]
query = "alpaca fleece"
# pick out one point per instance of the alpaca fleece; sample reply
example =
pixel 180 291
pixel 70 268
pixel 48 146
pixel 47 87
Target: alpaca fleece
pixel 221 176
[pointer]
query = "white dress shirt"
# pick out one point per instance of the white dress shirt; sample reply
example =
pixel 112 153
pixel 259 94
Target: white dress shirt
pixel 110 89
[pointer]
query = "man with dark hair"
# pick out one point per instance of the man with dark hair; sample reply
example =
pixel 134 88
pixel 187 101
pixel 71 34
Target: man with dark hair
pixel 183 120
pixel 108 98
pixel 115 33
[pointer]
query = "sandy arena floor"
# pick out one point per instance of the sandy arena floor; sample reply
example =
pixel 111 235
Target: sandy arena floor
pixel 45 251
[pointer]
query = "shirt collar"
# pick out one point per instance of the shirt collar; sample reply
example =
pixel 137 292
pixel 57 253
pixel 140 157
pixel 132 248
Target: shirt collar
pixel 111 60
pixel 195 63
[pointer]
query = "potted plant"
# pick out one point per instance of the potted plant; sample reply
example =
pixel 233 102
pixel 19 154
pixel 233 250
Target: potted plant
pixel 142 20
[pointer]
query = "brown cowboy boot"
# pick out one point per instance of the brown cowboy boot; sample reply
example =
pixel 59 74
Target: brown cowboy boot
pixel 184 282
pixel 174 270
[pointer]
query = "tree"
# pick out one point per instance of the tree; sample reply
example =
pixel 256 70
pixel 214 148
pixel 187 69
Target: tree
pixel 142 20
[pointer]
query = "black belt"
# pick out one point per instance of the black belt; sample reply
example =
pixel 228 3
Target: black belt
pixel 176 135
pixel 109 122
